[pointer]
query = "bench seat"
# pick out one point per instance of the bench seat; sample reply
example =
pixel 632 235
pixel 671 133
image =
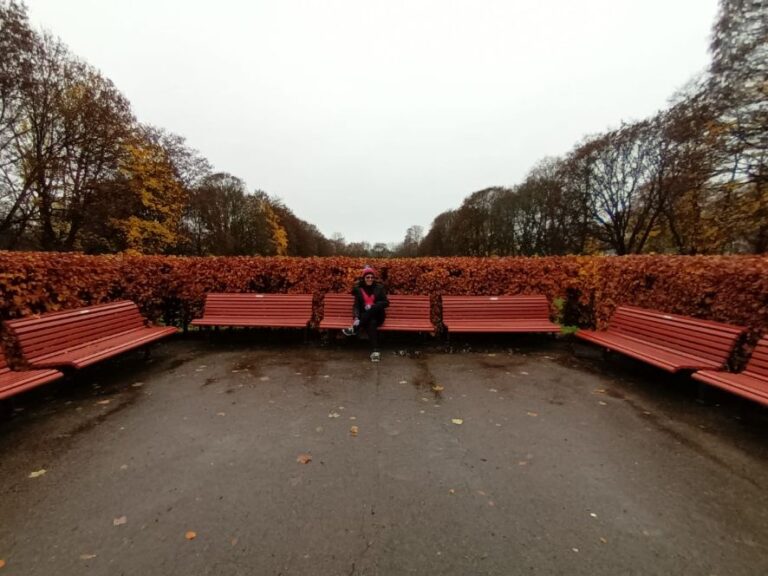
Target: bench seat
pixel 83 336
pixel 13 382
pixel 497 314
pixel 752 383
pixel 103 348
pixel 404 313
pixel 256 310
pixel 669 341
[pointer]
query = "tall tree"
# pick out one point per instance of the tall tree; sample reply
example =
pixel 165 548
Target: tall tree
pixel 152 199
pixel 16 45
pixel 739 88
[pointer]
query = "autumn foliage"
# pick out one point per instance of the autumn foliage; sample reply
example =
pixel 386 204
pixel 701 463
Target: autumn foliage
pixel 584 290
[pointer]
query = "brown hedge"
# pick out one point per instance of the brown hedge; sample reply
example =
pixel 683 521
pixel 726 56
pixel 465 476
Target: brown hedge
pixel 731 289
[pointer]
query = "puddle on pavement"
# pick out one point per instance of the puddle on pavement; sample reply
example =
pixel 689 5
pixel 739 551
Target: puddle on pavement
pixel 424 379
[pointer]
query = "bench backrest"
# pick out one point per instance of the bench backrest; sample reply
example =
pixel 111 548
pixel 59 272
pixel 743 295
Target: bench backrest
pixel 495 308
pixel 245 306
pixel 56 331
pixel 338 306
pixel 701 338
pixel 402 307
pixel 758 362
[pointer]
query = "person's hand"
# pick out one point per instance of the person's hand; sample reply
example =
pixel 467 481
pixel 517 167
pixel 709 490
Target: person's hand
pixel 367 306
pixel 356 322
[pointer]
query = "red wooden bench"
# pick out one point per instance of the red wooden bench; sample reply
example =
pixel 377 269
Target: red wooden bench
pixel 668 341
pixel 751 383
pixel 12 382
pixel 83 336
pixel 404 313
pixel 497 314
pixel 256 310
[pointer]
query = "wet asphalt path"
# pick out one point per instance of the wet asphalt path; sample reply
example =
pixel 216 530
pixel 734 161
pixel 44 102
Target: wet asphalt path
pixel 518 459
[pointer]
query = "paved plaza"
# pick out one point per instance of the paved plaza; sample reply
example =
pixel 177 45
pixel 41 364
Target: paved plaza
pixel 240 455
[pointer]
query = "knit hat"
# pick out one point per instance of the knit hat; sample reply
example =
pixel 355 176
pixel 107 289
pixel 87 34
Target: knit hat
pixel 368 270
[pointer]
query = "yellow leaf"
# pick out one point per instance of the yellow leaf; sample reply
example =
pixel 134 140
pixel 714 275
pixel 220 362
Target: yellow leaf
pixel 457 421
pixel 190 535
pixel 304 459
pixel 36 474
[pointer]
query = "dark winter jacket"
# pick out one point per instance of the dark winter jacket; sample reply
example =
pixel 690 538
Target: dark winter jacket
pixel 380 297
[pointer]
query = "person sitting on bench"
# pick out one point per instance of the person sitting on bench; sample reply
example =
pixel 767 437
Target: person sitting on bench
pixel 368 309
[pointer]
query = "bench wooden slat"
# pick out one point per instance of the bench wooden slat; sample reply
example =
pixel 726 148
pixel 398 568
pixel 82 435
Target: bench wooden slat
pixel 751 383
pixel 16 381
pixel 256 310
pixel 497 314
pixel 669 341
pixel 79 337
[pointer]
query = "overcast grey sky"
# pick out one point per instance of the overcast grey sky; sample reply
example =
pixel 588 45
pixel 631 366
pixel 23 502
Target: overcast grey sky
pixel 368 117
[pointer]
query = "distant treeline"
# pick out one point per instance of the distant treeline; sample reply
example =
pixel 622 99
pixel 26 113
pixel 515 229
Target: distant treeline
pixel 690 180
pixel 78 172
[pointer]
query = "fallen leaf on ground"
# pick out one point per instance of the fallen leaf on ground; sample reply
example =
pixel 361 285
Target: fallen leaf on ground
pixel 437 388
pixel 575 549
pixel 457 421
pixel 137 384
pixel 403 381
pixel 598 391
pixel 524 373
pixel 492 390
pixel 103 402
pixel 264 378
pixel 124 467
pixel 451 491
pixel 304 458
pixel 36 474
pixel 603 403
pixel 353 417
pixel 334 415
pixel 354 430
pixel 603 540
pixel 87 556
pixel 533 414
pixel 190 535
pixel 522 463
pixel 2 563
pixel 119 521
